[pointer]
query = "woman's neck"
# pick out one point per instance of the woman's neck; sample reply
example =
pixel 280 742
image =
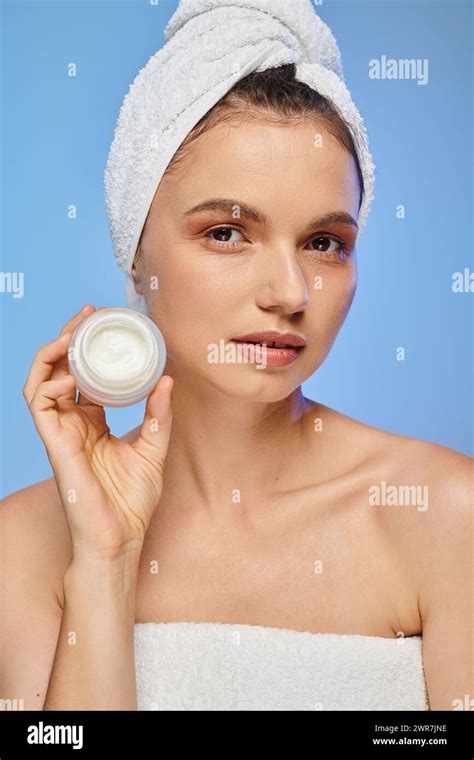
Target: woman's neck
pixel 224 451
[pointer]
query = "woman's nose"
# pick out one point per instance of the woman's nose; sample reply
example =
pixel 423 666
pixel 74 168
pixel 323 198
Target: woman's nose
pixel 282 283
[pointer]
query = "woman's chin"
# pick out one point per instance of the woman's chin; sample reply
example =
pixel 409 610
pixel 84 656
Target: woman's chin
pixel 252 384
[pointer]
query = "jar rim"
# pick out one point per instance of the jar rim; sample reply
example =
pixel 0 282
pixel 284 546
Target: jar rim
pixel 130 388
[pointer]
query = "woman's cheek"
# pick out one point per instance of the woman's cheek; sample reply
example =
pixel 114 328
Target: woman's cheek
pixel 187 307
pixel 331 299
pixel 170 285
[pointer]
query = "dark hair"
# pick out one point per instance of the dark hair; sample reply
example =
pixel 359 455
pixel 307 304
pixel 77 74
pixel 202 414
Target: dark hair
pixel 281 97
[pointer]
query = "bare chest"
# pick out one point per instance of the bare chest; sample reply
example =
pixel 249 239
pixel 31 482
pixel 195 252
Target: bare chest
pixel 326 570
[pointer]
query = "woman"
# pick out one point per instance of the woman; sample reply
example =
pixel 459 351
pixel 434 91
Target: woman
pixel 241 554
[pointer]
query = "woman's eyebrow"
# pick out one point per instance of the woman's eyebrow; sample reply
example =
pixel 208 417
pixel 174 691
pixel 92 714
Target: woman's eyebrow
pixel 229 206
pixel 333 217
pixel 238 209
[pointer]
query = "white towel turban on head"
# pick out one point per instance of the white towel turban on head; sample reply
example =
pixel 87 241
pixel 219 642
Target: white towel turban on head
pixel 210 45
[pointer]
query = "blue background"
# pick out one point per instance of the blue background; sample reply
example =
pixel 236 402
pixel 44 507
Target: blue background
pixel 56 135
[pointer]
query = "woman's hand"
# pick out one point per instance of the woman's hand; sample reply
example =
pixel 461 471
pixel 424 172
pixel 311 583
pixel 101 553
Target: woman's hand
pixel 109 488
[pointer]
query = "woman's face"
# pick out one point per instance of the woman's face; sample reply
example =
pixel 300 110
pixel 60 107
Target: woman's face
pixel 254 259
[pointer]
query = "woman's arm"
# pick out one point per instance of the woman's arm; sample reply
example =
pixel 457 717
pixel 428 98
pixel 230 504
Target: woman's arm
pixel 34 555
pixel 94 665
pixel 109 490
pixel 447 590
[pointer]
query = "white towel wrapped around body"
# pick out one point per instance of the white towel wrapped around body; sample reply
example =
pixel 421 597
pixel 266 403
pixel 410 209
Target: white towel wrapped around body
pixel 210 45
pixel 222 666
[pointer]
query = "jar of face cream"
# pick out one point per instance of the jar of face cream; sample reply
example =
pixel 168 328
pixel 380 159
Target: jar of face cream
pixel 116 356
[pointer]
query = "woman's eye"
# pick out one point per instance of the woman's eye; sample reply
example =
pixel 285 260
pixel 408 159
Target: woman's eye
pixel 329 246
pixel 325 245
pixel 225 235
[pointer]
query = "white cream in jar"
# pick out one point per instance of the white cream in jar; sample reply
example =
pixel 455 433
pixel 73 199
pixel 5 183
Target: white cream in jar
pixel 116 356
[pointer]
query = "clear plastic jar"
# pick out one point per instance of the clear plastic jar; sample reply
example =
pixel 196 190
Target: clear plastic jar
pixel 116 356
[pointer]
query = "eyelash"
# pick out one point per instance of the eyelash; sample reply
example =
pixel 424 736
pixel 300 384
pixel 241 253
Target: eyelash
pixel 342 250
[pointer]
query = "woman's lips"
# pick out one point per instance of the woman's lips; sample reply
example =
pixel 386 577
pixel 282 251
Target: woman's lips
pixel 267 355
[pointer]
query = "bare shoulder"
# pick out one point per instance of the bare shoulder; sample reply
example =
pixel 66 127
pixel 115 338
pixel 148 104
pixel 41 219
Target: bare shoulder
pixel 429 518
pixel 434 479
pixel 422 492
pixel 402 460
pixel 434 484
pixel 35 533
pixel 437 534
pixel 416 499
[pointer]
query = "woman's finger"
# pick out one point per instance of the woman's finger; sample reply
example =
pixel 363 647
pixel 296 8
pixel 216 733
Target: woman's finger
pixel 74 321
pixel 152 441
pixel 43 405
pixel 84 401
pixel 62 368
pixel 43 363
